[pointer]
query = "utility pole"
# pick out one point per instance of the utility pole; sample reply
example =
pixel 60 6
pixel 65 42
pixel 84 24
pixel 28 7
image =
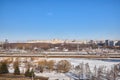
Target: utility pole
pixel 78 48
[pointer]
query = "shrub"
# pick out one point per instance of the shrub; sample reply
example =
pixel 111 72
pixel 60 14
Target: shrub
pixel 3 68
pixel 16 71
pixel 29 73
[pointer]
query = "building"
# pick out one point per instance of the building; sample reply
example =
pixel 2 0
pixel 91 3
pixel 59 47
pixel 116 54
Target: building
pixel 118 43
pixel 53 41
pixel 111 43
pixel 106 42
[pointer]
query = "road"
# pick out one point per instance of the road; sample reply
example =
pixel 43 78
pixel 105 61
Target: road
pixel 59 55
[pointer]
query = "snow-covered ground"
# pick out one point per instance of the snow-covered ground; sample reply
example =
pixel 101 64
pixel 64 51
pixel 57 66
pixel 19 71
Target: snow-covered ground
pixel 92 63
pixel 74 62
pixel 53 75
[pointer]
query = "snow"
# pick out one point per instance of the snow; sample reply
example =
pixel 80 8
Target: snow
pixel 53 75
pixel 92 63
pixel 74 61
pixel 72 76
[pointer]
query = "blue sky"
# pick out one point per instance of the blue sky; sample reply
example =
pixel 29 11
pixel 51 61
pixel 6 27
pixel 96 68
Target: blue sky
pixel 62 19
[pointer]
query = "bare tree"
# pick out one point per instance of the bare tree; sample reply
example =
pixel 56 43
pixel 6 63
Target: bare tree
pixel 50 64
pixel 63 66
pixel 41 65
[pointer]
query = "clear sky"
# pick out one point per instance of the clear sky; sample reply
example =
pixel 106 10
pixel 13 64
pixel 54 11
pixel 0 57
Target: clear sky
pixel 62 19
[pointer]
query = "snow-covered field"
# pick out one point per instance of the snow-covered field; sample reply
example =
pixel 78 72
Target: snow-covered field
pixel 92 63
pixel 74 62
pixel 53 75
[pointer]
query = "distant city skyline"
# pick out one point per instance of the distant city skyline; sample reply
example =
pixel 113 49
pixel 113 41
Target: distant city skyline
pixel 61 19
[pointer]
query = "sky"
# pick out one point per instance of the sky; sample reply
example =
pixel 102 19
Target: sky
pixel 61 19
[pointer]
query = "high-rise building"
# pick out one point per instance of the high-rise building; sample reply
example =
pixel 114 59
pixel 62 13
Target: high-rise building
pixel 106 42
pixel 111 43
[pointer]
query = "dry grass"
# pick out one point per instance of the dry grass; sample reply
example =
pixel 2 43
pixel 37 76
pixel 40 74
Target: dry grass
pixel 13 77
pixel 18 77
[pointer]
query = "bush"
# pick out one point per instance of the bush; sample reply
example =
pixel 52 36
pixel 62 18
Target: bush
pixel 63 66
pixel 32 73
pixel 16 71
pixel 3 68
pixel 29 73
